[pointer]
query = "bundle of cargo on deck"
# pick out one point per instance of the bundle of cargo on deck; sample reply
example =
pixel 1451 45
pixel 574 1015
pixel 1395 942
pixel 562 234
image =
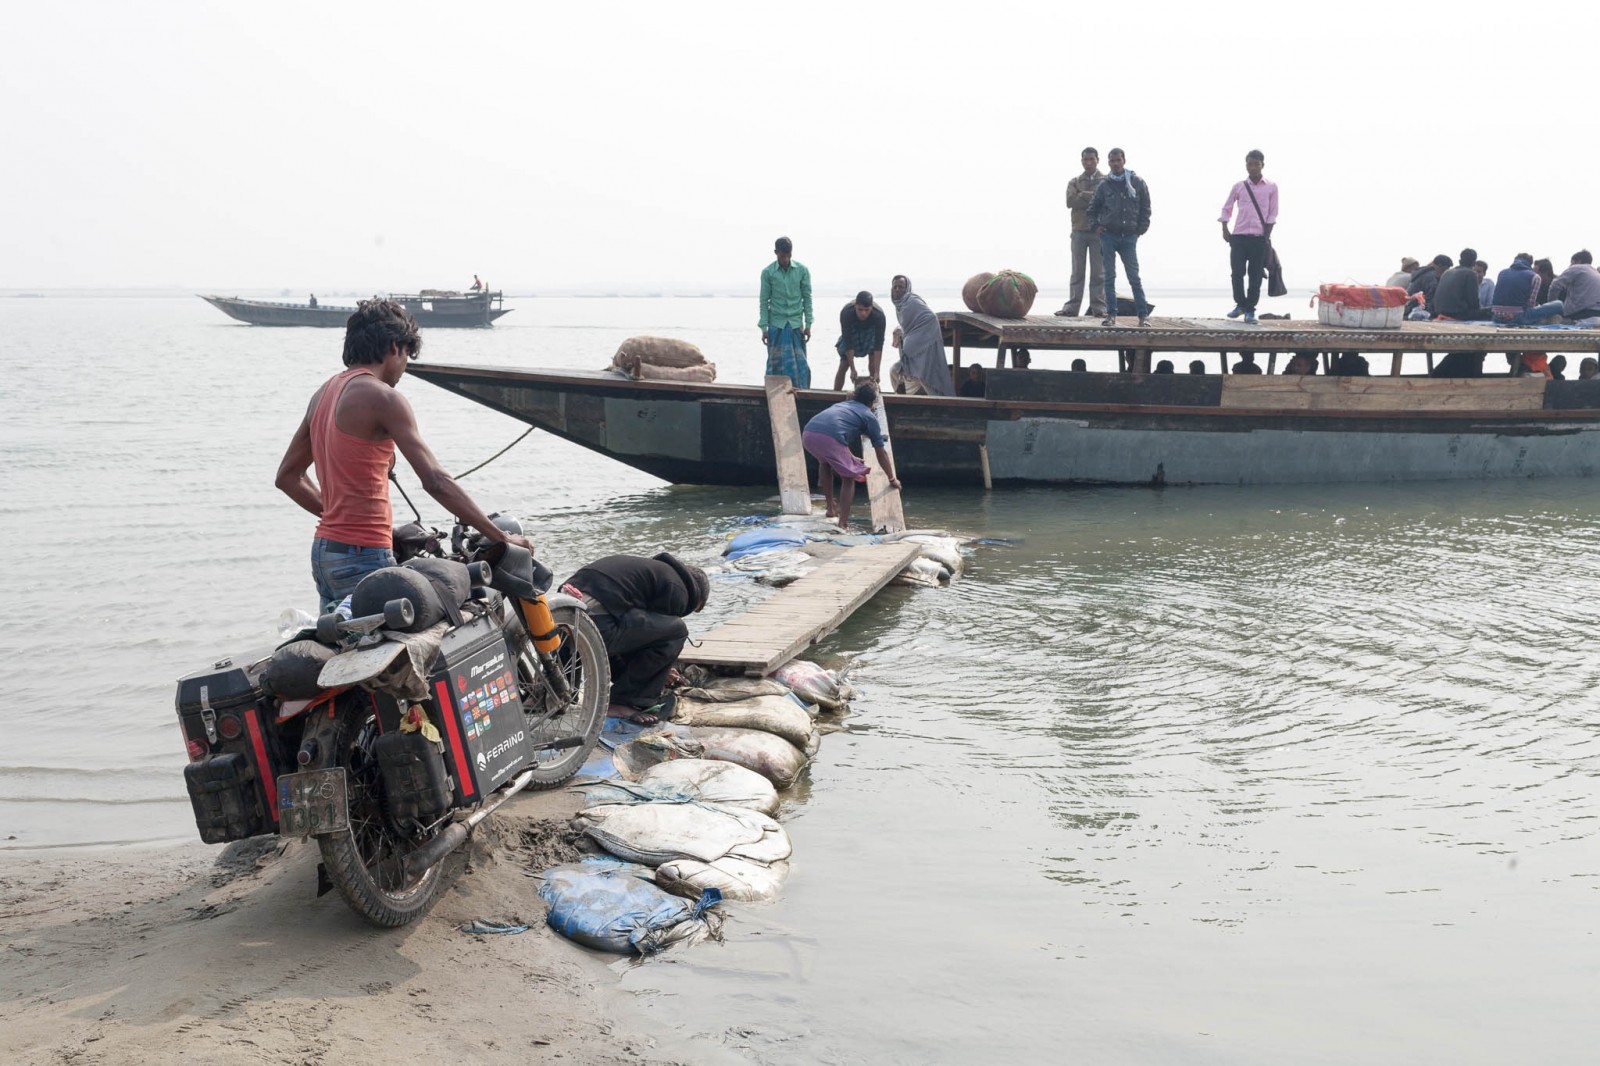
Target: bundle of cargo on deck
pixel 663 359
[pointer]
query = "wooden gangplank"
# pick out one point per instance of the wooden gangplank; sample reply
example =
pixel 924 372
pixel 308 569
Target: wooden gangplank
pixel 794 488
pixel 797 616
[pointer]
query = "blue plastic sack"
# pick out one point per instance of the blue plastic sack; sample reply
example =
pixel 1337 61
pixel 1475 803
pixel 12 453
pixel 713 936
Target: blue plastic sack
pixel 763 540
pixel 605 907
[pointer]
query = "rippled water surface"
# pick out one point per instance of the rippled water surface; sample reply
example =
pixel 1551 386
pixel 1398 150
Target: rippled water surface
pixel 1201 775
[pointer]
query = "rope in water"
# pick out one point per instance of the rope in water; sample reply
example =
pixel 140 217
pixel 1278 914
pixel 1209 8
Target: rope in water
pixel 497 454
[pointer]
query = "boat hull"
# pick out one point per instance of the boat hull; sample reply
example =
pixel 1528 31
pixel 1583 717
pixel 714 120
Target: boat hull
pixel 461 312
pixel 721 435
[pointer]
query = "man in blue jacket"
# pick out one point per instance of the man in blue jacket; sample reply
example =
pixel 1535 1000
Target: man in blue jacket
pixel 1120 214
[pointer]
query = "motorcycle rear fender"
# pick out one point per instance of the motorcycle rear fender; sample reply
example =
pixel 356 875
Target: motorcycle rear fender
pixel 320 727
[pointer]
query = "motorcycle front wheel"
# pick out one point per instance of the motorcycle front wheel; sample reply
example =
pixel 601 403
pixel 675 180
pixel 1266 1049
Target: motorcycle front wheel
pixel 564 732
pixel 367 862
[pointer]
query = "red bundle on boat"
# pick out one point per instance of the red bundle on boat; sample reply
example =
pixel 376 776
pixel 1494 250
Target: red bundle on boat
pixel 1363 296
pixel 1361 306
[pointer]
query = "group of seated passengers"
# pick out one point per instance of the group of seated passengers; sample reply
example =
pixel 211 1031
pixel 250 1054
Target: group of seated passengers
pixel 1345 364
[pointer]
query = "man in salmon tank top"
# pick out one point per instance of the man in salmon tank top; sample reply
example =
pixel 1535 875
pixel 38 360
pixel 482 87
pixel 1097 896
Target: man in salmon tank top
pixel 350 430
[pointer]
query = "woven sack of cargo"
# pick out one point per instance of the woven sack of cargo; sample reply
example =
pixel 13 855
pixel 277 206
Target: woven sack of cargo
pixel 657 351
pixel 604 905
pixel 737 879
pixel 1009 294
pixel 969 291
pixel 651 372
pixel 771 756
pixel 782 716
pixel 946 551
pixel 654 833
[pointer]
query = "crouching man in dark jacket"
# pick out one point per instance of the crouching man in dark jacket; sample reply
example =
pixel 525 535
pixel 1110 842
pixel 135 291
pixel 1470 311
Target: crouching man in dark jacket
pixel 639 605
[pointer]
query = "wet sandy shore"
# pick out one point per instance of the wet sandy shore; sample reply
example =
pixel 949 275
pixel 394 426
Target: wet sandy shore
pixel 210 955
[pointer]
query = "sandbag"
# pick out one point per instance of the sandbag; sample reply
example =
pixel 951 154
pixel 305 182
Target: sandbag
pixel 922 571
pixel 656 351
pixel 969 291
pixel 650 372
pixel 737 879
pixel 814 684
pixel 1009 294
pixel 779 715
pixel 772 757
pixel 686 781
pixel 609 909
pixel 292 673
pixel 730 689
pixel 653 833
pixel 711 781
pixel 635 756
pixel 756 541
pixel 943 550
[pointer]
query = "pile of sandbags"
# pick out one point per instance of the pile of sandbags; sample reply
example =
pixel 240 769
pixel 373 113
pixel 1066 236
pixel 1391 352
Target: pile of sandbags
pixel 1008 294
pixel 615 906
pixel 662 359
pixel 941 559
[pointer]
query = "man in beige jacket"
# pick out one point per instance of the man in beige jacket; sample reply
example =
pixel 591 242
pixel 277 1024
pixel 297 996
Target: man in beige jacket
pixel 1085 244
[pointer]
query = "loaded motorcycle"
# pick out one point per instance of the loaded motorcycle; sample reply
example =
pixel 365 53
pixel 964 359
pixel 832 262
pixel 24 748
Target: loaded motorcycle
pixel 454 683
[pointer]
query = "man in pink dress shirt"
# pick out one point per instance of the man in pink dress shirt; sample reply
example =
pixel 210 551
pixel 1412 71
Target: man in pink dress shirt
pixel 1253 206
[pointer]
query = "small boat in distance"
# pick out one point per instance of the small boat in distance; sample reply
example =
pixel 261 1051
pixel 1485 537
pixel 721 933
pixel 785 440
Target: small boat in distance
pixel 431 307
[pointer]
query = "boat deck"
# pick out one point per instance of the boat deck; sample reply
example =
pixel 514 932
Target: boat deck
pixel 782 626
pixel 965 329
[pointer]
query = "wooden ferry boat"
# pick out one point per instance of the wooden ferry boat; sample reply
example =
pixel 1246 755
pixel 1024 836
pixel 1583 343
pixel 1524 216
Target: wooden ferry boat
pixel 432 308
pixel 1128 428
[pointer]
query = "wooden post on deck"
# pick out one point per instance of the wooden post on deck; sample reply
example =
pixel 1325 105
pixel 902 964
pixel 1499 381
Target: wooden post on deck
pixel 887 517
pixel 794 488
pixel 1394 365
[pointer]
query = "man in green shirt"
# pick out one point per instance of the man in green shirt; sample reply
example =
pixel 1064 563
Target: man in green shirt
pixel 786 316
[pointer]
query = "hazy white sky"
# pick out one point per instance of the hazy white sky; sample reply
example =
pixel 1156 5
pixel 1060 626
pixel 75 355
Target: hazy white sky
pixel 629 146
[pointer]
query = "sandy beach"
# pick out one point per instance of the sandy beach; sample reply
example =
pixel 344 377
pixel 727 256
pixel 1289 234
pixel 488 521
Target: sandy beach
pixel 225 955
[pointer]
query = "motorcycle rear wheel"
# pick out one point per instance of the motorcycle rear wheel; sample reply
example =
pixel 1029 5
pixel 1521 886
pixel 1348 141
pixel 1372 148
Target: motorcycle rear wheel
pixel 587 670
pixel 366 863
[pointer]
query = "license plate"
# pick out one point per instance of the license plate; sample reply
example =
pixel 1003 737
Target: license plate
pixel 313 803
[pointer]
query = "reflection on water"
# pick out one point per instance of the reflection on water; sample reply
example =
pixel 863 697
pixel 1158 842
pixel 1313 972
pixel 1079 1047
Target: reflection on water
pixel 1194 775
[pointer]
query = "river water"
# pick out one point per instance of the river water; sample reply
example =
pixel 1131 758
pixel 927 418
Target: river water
pixel 1206 775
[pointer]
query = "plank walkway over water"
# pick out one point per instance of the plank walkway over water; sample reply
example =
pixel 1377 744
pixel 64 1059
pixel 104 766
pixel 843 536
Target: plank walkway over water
pixel 783 625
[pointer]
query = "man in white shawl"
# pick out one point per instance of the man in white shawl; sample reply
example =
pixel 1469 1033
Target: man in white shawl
pixel 922 367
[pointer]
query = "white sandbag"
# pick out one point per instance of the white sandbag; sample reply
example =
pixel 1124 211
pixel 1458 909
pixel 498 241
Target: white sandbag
pixel 909 534
pixel 814 684
pixel 634 757
pixel 778 715
pixel 711 781
pixel 946 551
pixel 730 689
pixel 778 560
pixel 737 879
pixel 653 833
pixel 771 756
pixel 650 372
pixel 922 571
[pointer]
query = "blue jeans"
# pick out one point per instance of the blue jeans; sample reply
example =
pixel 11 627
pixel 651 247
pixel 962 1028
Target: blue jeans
pixel 1536 314
pixel 1127 245
pixel 338 568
